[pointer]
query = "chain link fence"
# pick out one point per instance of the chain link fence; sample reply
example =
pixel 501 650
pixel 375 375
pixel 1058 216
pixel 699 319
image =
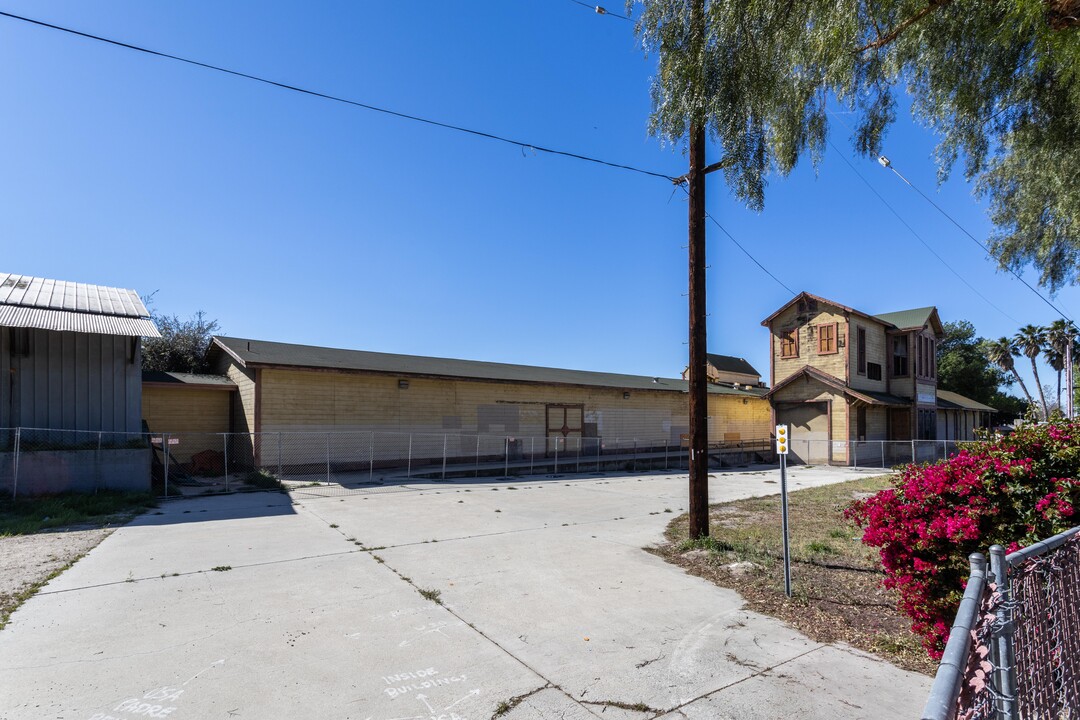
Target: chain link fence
pixel 37 461
pixel 1014 649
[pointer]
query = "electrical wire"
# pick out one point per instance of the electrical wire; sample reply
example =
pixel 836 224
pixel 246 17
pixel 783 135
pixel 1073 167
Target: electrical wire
pixel 916 234
pixel 599 9
pixel 740 246
pixel 885 162
pixel 366 106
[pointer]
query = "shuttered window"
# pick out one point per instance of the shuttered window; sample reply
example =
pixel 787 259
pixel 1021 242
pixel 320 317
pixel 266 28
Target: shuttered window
pixel 789 343
pixel 861 334
pixel 827 339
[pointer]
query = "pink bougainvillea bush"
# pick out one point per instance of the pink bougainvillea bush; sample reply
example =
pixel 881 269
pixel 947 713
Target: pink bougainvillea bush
pixel 1013 490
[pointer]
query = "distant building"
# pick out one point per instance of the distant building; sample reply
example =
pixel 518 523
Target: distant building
pixel 289 388
pixel 70 355
pixel 729 370
pixel 840 376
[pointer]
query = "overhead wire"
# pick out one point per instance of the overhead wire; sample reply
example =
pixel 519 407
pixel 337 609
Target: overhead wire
pixel 335 98
pixel 887 164
pixel 918 237
pixel 600 10
pixel 740 246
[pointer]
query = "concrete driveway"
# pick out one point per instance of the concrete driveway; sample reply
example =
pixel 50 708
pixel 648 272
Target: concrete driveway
pixel 549 609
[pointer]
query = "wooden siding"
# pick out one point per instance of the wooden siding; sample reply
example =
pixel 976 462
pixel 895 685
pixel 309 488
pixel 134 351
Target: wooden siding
pixel 834 364
pixel 72 381
pixel 875 353
pixel 314 400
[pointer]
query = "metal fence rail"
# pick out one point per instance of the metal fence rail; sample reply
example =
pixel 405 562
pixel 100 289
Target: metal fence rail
pixel 41 461
pixel 1014 650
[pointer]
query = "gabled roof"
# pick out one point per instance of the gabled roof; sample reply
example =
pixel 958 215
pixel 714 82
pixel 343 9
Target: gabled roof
pixel 34 302
pixel 868 397
pixel 917 318
pixel 259 353
pixel 808 296
pixel 177 379
pixel 728 363
pixel 900 320
pixel 949 400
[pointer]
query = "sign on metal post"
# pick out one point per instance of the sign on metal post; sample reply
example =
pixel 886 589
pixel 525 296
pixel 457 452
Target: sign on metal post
pixel 782 443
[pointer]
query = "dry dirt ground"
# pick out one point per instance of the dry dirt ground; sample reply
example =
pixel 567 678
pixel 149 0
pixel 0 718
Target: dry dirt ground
pixel 28 561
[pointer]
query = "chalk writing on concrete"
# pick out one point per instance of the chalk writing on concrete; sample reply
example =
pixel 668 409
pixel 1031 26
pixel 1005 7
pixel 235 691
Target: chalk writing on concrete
pixel 418 681
pixel 151 704
pixel 427 629
pixel 402 612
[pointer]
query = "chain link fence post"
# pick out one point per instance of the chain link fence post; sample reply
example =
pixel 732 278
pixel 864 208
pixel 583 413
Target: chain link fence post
pixel 1003 643
pixel 279 455
pixel 476 466
pixel 557 438
pixel 225 456
pixel 444 456
pixel 506 457
pixel 667 441
pixel 165 453
pixel 15 477
pixel 371 458
pixel 408 466
pixel 532 453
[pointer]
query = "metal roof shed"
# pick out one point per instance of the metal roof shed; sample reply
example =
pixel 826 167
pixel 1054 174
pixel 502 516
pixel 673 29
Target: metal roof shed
pixel 71 354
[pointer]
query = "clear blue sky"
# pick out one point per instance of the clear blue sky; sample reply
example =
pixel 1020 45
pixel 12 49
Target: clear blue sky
pixel 295 219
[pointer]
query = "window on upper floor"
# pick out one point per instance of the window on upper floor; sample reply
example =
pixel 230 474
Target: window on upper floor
pixel 873 371
pixel 827 339
pixel 789 343
pixel 900 356
pixel 860 334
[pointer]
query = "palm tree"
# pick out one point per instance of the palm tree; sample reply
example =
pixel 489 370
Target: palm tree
pixel 1029 340
pixel 1001 352
pixel 1058 336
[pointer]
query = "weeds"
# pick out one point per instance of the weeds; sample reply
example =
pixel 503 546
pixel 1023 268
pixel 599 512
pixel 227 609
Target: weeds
pixel 221 568
pixel 434 596
pixel 23 516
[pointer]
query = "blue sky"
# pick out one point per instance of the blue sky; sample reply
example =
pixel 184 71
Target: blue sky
pixel 295 219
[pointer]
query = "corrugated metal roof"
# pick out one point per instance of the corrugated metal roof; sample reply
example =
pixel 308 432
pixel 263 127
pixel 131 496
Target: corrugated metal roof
pixel 959 401
pixel 729 363
pixel 161 377
pixel 26 291
pixel 46 304
pixel 61 320
pixel 253 353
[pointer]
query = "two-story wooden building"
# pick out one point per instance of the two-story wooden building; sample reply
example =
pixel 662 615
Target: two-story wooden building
pixel 840 376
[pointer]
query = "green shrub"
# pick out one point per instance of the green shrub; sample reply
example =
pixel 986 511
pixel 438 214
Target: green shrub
pixel 1012 491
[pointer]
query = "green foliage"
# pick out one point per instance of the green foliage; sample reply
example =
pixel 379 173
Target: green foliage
pixel 996 81
pixel 182 345
pixel 22 516
pixel 1012 491
pixel 263 480
pixel 963 366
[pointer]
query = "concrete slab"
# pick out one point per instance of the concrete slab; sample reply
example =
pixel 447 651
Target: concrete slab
pixel 550 608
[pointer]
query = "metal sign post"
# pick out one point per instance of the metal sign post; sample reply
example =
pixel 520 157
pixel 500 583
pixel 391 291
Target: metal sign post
pixel 782 451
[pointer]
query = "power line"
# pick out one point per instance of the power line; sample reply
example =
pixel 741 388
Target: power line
pixel 886 163
pixel 745 251
pixel 916 234
pixel 366 106
pixel 599 10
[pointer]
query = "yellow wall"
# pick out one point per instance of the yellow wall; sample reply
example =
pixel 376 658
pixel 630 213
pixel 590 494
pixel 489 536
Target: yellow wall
pixel 304 400
pixel 189 414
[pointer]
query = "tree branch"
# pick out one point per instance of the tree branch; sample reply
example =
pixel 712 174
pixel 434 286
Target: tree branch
pixel 888 37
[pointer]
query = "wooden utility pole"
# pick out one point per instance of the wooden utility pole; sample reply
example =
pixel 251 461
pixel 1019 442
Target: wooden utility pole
pixel 699 402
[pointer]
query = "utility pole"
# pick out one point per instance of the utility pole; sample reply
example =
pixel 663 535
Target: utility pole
pixel 699 402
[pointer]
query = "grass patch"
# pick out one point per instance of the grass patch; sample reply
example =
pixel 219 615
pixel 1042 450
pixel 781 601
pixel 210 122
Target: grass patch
pixel 264 480
pixel 22 516
pixel 837 591
pixel 221 568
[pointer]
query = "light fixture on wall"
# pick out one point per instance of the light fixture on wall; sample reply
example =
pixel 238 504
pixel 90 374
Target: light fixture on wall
pixel 626 396
pixel 403 384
